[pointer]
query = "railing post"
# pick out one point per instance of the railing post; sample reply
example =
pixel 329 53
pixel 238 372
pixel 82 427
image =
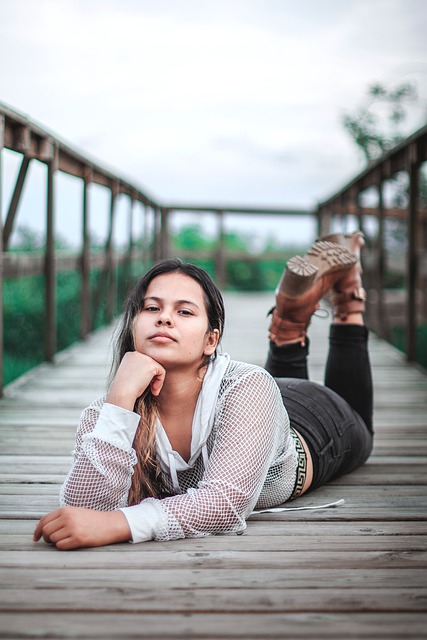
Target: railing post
pixel 422 267
pixel 164 234
pixel 86 315
pixel 381 316
pixel 156 235
pixel 128 271
pixel 359 213
pixel 344 213
pixel 1 255
pixel 324 221
pixel 110 266
pixel 368 270
pixel 412 267
pixel 147 250
pixel 220 258
pixel 50 269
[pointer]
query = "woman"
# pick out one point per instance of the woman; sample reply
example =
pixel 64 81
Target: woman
pixel 187 442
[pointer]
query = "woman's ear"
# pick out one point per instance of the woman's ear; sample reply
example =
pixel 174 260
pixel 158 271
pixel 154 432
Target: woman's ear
pixel 211 342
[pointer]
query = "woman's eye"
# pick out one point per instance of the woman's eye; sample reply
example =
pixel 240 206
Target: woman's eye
pixel 151 307
pixel 185 312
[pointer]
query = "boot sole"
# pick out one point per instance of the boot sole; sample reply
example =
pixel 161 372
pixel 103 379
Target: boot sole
pixel 352 241
pixel 322 258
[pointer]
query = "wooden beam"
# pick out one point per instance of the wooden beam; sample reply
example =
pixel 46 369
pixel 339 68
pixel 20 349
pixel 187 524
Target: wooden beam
pixel 411 319
pixel 268 211
pixel 357 211
pixel 112 280
pixel 146 250
pixel 156 235
pixel 381 316
pixel 2 126
pixel 220 259
pixel 164 234
pixel 50 267
pixel 85 315
pixel 14 203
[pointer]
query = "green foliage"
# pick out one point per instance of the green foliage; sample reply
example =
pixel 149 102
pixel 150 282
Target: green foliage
pixel 191 238
pixel 26 239
pixel 14 366
pixel 24 312
pixel 372 133
pixel 256 272
pixel 398 339
pixel 67 308
pixel 23 317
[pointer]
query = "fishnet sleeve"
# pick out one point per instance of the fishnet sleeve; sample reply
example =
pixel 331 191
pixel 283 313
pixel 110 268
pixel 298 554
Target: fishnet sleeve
pixel 250 422
pixel 101 473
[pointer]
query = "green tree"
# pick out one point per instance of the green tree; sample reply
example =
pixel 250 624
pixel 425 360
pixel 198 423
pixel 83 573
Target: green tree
pixel 375 127
pixel 376 131
pixel 191 238
pixel 26 239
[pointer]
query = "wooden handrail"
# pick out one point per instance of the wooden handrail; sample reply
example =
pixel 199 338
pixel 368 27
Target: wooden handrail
pixel 407 156
pixel 20 134
pixel 32 141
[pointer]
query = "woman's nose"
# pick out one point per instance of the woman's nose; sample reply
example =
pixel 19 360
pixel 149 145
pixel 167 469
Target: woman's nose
pixel 165 321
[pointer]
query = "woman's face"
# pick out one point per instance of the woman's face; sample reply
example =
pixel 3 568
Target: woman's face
pixel 172 327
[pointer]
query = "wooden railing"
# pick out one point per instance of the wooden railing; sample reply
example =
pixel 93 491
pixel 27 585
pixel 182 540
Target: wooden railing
pixel 33 142
pixel 411 303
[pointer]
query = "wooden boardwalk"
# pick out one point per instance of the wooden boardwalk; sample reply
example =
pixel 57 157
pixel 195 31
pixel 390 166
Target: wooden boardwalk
pixel 357 571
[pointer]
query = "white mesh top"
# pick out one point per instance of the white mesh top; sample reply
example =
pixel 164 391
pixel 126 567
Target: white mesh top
pixel 242 457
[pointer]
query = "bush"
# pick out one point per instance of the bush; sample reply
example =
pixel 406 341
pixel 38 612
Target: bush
pixel 398 339
pixel 24 320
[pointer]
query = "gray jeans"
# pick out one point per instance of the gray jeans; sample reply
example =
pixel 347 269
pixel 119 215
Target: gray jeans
pixel 335 419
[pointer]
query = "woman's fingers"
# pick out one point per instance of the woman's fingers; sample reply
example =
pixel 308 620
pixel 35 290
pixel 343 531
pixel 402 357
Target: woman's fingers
pixel 66 544
pixel 157 381
pixel 57 535
pixel 135 373
pixel 60 526
pixel 46 526
pixel 75 527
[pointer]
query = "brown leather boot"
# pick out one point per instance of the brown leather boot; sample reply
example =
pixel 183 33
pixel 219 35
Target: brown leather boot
pixel 348 295
pixel 303 284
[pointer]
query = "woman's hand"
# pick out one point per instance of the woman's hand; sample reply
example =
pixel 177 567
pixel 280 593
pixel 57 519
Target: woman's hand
pixel 135 373
pixel 74 527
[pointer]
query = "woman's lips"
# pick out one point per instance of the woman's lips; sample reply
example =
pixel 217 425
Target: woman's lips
pixel 162 337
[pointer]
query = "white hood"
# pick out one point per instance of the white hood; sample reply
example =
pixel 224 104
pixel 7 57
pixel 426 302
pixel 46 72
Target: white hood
pixel 171 461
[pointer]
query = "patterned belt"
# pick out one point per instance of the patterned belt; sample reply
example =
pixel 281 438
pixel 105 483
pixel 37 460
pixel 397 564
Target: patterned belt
pixel 301 466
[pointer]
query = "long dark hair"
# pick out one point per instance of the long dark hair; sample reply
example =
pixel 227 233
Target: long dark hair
pixel 146 479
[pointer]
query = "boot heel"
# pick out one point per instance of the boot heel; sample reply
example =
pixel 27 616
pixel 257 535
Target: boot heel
pixel 298 277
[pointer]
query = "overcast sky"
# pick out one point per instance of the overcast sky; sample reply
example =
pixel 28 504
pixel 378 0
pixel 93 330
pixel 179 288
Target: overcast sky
pixel 211 101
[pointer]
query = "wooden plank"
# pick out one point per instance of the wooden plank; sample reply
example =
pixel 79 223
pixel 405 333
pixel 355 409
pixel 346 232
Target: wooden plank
pixel 135 576
pixel 278 543
pixel 212 600
pixel 181 625
pixel 269 528
pixel 45 556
